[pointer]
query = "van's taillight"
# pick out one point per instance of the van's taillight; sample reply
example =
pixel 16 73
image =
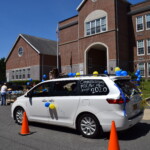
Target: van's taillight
pixel 116 101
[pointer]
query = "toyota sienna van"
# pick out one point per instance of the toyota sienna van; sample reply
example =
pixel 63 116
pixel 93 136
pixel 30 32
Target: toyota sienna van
pixel 86 103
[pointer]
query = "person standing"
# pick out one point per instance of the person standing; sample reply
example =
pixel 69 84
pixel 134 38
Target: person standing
pixel 3 94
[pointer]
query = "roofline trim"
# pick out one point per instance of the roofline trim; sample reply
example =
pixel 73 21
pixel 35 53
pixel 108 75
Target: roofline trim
pixel 80 5
pixel 12 49
pixel 29 43
pixel 68 25
pixel 68 18
pixel 20 35
pixel 138 3
pixel 139 10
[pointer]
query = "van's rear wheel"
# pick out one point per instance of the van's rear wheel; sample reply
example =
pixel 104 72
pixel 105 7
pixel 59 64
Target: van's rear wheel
pixel 19 115
pixel 89 126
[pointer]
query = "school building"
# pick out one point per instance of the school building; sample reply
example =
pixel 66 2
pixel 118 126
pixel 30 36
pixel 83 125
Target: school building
pixel 105 34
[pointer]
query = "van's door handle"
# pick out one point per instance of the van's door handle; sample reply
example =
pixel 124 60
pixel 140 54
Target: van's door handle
pixel 44 100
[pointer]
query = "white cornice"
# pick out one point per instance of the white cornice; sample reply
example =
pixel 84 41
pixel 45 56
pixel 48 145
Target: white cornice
pixel 80 5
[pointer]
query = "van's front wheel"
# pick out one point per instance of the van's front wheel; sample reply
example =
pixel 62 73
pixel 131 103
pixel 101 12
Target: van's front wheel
pixel 88 126
pixel 19 115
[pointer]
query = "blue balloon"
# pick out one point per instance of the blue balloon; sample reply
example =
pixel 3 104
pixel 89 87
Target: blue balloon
pixel 124 73
pixel 139 76
pixel 136 74
pixel 73 74
pixel 44 90
pixel 43 80
pixel 105 72
pixel 28 83
pixel 70 74
pixel 44 76
pixel 138 79
pixel 118 73
pixel 47 104
pixel 138 71
pixel 30 79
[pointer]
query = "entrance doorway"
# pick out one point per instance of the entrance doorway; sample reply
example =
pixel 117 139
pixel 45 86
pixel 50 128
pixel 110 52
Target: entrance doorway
pixel 96 59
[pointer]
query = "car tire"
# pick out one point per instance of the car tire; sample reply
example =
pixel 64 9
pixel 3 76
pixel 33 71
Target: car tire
pixel 19 115
pixel 89 126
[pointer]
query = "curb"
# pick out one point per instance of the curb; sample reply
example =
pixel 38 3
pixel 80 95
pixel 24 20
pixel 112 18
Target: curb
pixel 146 114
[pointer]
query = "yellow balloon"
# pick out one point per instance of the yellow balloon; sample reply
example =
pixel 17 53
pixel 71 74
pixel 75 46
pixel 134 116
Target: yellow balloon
pixel 52 106
pixel 117 69
pixel 95 73
pixel 78 74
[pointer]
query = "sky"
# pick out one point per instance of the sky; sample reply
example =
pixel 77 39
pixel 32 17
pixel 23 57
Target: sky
pixel 34 17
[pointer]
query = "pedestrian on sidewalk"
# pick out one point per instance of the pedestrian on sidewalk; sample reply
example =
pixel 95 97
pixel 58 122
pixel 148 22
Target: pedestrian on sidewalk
pixel 3 94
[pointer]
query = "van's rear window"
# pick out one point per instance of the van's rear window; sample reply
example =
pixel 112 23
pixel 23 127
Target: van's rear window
pixel 128 87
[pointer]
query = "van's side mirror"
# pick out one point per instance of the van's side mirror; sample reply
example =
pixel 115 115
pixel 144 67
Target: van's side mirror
pixel 29 94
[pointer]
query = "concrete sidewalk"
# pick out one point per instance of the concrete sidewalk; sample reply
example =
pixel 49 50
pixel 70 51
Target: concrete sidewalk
pixel 146 114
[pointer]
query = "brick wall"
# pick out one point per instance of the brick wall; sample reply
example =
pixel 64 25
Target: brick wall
pixel 30 57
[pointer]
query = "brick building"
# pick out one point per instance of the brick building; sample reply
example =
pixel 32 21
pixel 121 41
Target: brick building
pixel 30 57
pixel 105 34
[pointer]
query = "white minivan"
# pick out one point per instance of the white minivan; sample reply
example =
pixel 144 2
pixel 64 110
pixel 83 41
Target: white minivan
pixel 86 103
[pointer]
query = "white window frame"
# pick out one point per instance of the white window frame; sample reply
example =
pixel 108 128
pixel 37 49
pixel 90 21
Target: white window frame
pixel 141 23
pixel 148 69
pixel 148 53
pixel 140 47
pixel 94 21
pixel 146 21
pixel 139 68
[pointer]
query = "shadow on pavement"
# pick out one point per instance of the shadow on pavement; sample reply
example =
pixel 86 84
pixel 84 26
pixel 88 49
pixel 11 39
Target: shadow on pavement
pixel 55 128
pixel 137 131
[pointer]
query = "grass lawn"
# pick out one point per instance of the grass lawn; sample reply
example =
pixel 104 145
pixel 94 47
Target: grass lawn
pixel 145 88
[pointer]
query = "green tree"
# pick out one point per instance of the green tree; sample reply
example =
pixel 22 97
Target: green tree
pixel 2 69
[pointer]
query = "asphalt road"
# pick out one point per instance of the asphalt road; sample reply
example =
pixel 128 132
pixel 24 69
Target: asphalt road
pixel 46 137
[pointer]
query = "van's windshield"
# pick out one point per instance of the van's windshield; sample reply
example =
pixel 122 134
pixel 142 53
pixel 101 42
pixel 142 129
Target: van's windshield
pixel 128 87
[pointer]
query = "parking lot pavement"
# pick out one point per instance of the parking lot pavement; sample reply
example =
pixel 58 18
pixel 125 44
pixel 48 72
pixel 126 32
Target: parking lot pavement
pixel 146 114
pixel 60 138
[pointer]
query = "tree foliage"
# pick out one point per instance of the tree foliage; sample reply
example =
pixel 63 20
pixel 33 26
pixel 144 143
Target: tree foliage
pixel 2 70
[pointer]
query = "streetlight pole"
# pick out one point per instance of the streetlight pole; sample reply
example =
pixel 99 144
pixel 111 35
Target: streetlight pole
pixel 57 35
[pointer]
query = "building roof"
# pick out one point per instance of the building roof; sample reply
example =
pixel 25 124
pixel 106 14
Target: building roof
pixel 139 10
pixel 40 45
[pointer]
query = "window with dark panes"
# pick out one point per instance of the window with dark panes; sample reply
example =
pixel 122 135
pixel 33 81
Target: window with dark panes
pixel 141 67
pixel 148 21
pixel 139 23
pixel 103 24
pixel 28 74
pixel 93 87
pixel 65 88
pixel 42 90
pixel 20 74
pixel 93 27
pixel 13 74
pixel 16 74
pixel 148 46
pixel 88 30
pixel 23 75
pixel 140 47
pixel 97 25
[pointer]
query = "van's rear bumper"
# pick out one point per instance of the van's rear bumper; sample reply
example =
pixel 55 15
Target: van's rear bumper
pixel 121 122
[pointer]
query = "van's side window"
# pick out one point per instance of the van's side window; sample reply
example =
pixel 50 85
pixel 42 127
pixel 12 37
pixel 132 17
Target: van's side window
pixel 65 88
pixel 42 90
pixel 93 87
